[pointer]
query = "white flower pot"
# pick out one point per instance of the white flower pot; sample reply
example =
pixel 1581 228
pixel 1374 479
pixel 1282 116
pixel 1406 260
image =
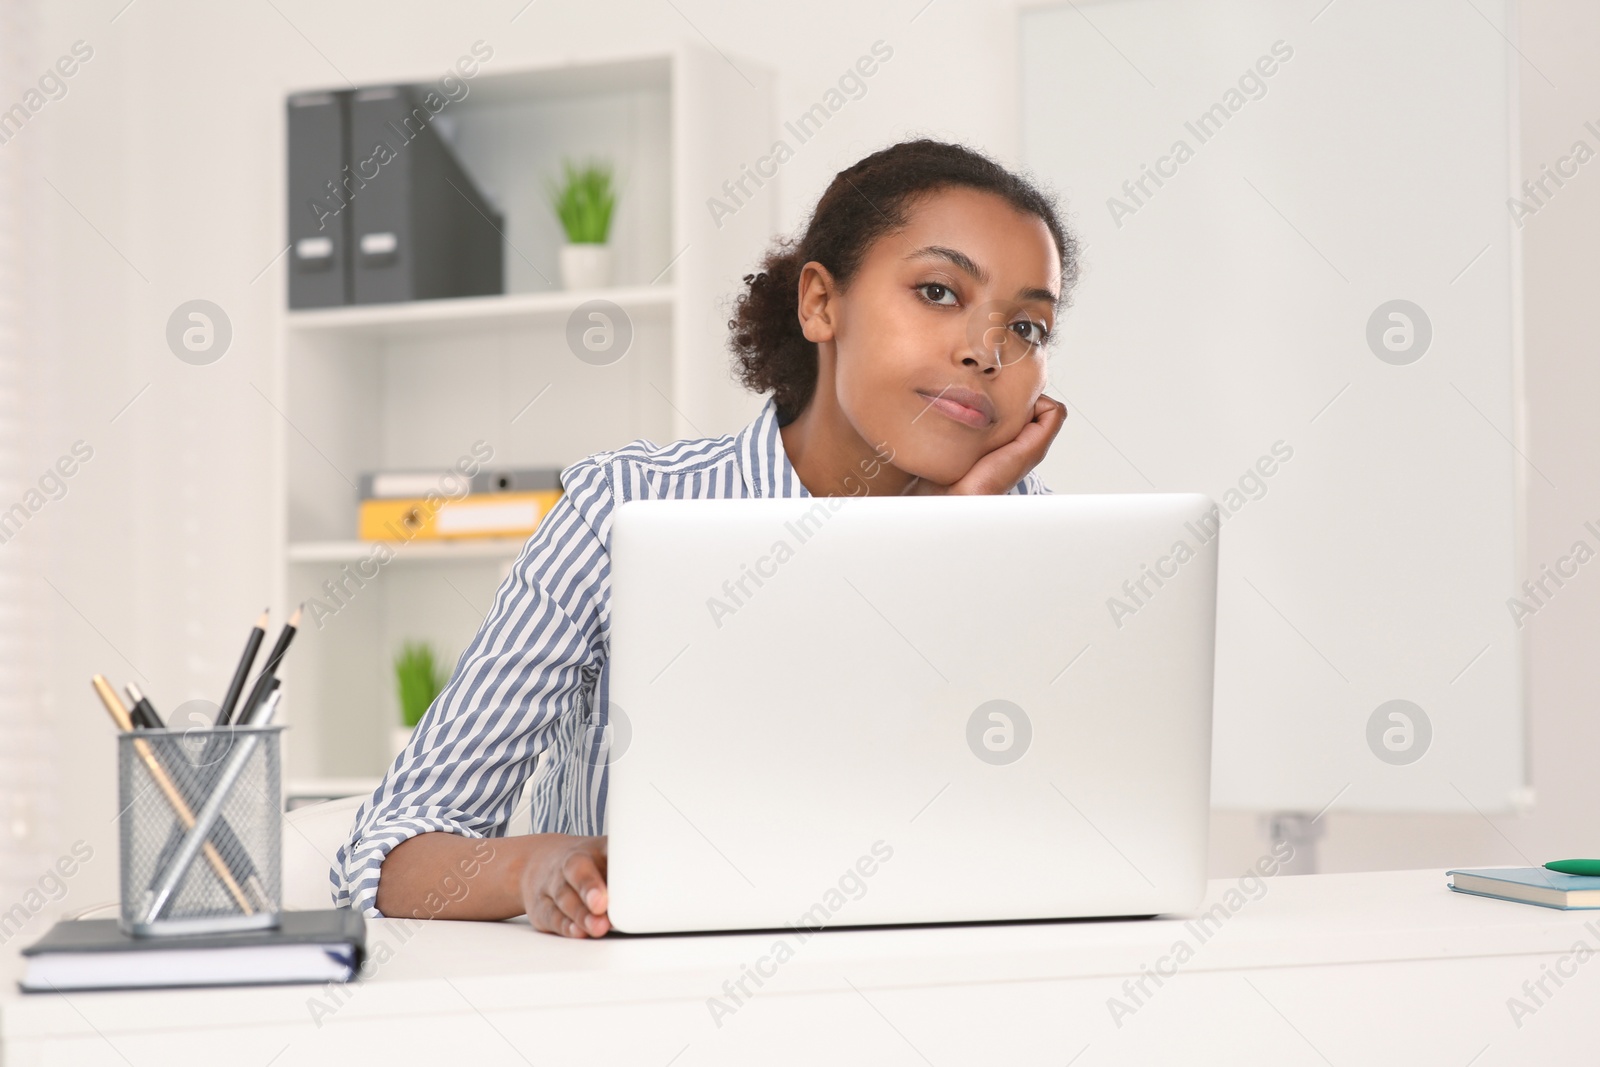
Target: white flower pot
pixel 585 266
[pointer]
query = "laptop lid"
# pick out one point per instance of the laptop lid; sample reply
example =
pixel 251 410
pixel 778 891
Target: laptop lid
pixel 837 711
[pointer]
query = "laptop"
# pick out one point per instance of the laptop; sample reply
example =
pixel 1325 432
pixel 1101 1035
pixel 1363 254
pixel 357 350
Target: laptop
pixel 842 711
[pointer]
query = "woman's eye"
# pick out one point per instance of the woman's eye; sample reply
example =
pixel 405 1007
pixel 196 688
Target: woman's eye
pixel 937 293
pixel 1031 332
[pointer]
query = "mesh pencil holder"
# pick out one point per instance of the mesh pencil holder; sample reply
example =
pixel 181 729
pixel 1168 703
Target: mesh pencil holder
pixel 171 784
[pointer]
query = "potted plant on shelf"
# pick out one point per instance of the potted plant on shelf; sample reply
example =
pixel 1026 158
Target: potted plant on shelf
pixel 419 677
pixel 584 201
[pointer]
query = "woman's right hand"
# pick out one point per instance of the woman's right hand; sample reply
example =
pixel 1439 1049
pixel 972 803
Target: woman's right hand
pixel 998 471
pixel 564 885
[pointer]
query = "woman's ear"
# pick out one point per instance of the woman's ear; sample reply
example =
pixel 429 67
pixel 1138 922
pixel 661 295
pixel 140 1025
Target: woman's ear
pixel 816 304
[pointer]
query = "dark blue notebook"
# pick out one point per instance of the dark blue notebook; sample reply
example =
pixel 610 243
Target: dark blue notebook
pixel 325 945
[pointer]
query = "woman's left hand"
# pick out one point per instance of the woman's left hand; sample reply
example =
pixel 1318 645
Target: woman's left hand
pixel 1007 465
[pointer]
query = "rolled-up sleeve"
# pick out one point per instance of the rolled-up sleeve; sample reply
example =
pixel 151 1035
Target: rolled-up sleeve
pixel 529 665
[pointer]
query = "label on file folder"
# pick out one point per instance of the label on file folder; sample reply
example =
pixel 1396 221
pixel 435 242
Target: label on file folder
pixel 483 517
pixel 392 484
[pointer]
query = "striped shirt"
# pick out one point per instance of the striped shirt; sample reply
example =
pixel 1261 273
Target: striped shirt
pixel 535 679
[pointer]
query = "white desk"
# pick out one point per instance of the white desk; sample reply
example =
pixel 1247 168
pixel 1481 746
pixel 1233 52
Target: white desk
pixel 1355 969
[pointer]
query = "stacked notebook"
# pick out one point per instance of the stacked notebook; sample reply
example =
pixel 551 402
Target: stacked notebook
pixel 1529 885
pixel 308 946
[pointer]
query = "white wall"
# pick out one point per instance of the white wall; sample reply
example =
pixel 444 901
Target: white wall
pixel 164 157
pixel 166 145
pixel 1561 276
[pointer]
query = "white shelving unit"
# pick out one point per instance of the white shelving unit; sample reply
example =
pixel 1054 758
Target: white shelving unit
pixel 416 385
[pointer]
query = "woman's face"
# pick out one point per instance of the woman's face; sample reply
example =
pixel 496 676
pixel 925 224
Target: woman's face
pixel 938 341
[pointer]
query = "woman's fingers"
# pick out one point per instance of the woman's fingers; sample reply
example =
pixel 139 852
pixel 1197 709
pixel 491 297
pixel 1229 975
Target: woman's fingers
pixel 545 916
pixel 1048 417
pixel 565 890
pixel 1003 468
pixel 1034 438
pixel 583 874
pixel 568 904
pixel 551 917
pixel 584 892
pixel 997 471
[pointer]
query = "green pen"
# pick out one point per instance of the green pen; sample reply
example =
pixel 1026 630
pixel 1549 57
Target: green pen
pixel 1589 867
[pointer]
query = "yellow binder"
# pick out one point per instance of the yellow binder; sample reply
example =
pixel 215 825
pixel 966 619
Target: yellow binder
pixel 443 519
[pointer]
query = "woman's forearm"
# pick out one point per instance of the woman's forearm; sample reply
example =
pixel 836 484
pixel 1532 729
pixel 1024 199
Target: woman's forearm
pixel 446 876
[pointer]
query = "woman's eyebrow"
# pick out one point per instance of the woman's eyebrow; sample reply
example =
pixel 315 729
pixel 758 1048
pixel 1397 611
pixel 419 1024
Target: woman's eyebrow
pixel 964 263
pixel 959 259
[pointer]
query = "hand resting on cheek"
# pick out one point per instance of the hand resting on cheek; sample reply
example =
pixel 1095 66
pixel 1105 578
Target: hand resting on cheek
pixel 999 470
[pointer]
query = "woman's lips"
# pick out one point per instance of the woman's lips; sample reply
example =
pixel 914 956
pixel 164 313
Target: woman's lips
pixel 967 416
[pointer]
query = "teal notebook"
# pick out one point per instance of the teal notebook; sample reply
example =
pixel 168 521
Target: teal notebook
pixel 1529 885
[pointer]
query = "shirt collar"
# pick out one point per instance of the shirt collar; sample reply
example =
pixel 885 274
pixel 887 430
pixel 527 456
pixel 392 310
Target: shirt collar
pixel 763 463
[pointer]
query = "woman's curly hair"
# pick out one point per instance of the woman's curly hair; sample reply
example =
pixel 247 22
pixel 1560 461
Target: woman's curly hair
pixel 863 202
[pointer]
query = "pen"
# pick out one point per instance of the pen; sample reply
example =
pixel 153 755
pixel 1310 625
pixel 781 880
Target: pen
pixel 143 712
pixel 158 774
pixel 268 707
pixel 252 645
pixel 1588 867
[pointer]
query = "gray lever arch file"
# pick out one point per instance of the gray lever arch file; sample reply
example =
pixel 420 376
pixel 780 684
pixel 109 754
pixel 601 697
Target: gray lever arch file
pixel 421 227
pixel 319 267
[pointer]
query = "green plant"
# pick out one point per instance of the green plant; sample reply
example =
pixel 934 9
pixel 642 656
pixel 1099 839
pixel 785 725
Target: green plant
pixel 419 676
pixel 583 201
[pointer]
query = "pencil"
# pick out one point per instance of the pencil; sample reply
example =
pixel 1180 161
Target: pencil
pixel 252 645
pixel 124 721
pixel 259 691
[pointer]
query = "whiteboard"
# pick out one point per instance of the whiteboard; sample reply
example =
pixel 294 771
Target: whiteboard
pixel 1241 298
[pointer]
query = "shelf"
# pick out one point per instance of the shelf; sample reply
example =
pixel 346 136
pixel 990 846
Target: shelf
pixel 458 314
pixel 415 551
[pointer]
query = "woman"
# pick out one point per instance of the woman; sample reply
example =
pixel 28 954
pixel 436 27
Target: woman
pixel 902 339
